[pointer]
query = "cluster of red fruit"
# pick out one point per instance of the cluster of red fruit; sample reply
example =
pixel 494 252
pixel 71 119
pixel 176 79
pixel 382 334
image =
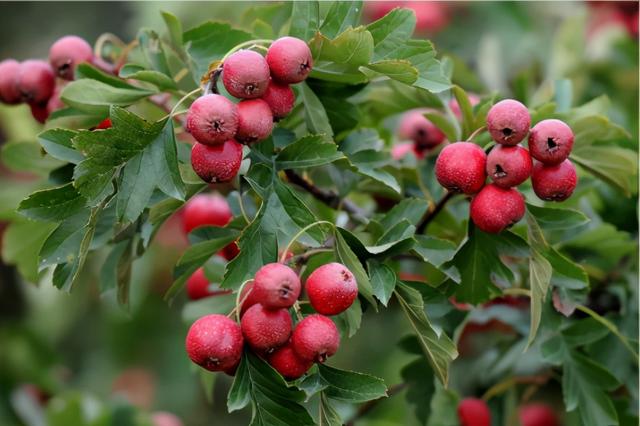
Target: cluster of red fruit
pixel 475 412
pixel 34 81
pixel 219 125
pixel 215 342
pixel 464 166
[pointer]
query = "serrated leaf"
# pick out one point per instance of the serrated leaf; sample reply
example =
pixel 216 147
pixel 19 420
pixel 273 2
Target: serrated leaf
pixel 617 166
pixel 57 143
pixel 370 163
pixel 383 281
pixel 557 219
pixel 347 257
pixel 54 204
pixel 315 115
pixel 305 19
pixel 349 386
pixel 96 97
pixel 341 15
pixel 434 250
pixel 390 31
pixel 308 151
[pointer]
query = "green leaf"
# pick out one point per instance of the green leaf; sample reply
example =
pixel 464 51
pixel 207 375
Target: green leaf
pixel 390 31
pixel 327 415
pixel 420 387
pixel 95 97
pixel 349 386
pixel 240 392
pixel 349 321
pixel 466 109
pixel 53 204
pixel 57 143
pixel 434 250
pixel 410 209
pixel 151 46
pixel 341 15
pixel 315 115
pixel 27 157
pixel 555 219
pixel 354 47
pixel 614 165
pixel 21 243
pixel 87 71
pixel 138 72
pixel 347 257
pixel 308 151
pixel 441 122
pixel 305 19
pixel 116 270
pixel 383 281
pixel 174 26
pixel 397 69
pixel 436 345
pixel 444 407
pixel 370 163
pixel 539 280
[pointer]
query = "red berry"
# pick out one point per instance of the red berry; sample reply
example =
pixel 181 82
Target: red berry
pixel 474 412
pixel 264 329
pixel 255 120
pixel 509 166
pixel 214 342
pixel 508 122
pixel 161 418
pixel 286 362
pixel 245 74
pixel 66 53
pixel 417 128
pixel 198 286
pixel 551 141
pixel 289 60
pixel 206 210
pixel 280 98
pixel 276 286
pixel 9 93
pixel 219 163
pixel 230 251
pixel 247 297
pixel 315 338
pixel 35 81
pixel 104 124
pixel 494 209
pixel 212 119
pixel 39 112
pixel 537 415
pixel 460 167
pixel 554 183
pixel 331 288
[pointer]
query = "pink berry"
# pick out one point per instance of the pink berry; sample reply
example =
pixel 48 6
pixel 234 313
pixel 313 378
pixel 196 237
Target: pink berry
pixel 214 342
pixel 280 98
pixel 245 74
pixel 551 141
pixel 494 209
pixel 508 122
pixel 39 112
pixel 55 103
pixel 331 288
pixel 537 415
pixel 219 163
pixel 264 329
pixel 247 297
pixel 315 338
pixel 509 166
pixel 199 287
pixel 206 210
pixel 416 127
pixel 212 119
pixel 9 93
pixel 66 53
pixel 289 60
pixel 288 364
pixel 35 81
pixel 276 286
pixel 461 167
pixel 554 183
pixel 474 412
pixel 255 120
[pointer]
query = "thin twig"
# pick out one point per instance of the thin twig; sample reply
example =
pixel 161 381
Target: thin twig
pixel 432 213
pixel 368 406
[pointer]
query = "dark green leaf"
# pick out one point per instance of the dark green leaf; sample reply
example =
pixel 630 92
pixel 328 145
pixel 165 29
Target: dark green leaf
pixel 341 15
pixel 390 31
pixel 345 255
pixel 96 97
pixel 617 166
pixel 309 151
pixel 349 386
pixel 553 219
pixel 467 111
pixel 418 377
pixel 327 415
pixel 383 281
pixel 314 113
pixel 53 204
pixel 57 143
pixel 305 19
pixel 88 71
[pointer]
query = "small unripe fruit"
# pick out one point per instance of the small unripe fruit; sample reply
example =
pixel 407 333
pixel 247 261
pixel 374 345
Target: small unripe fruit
pixel 212 119
pixel 551 141
pixel 219 163
pixel 331 288
pixel 554 183
pixel 509 166
pixel 416 127
pixel 255 120
pixel 474 412
pixel 286 362
pixel 206 210
pixel 245 74
pixel 66 53
pixel 537 415
pixel 198 286
pixel 9 93
pixel 461 167
pixel 276 286
pixel 508 122
pixel 214 342
pixel 494 209
pixel 289 60
pixel 280 98
pixel 35 81
pixel 315 338
pixel 264 329
pixel 39 112
pixel 247 298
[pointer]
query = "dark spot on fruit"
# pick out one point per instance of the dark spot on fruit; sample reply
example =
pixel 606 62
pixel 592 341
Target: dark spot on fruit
pixel 217 126
pixel 249 88
pixel 285 290
pixel 551 144
pixel 499 172
pixel 345 275
pixel 507 132
pixel 304 67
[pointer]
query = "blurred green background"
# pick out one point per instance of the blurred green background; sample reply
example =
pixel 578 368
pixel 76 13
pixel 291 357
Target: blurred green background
pixel 85 342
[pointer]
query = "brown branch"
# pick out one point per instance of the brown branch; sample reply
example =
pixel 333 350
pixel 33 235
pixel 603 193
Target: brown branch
pixel 330 198
pixel 370 405
pixel 432 213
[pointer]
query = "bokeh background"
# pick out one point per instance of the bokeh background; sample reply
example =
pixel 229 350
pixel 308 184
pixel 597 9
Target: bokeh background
pixel 53 343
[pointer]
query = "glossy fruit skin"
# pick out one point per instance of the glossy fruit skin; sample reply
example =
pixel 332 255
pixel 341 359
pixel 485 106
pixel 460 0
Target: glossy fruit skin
pixel 416 127
pixel 474 412
pixel 198 286
pixel 248 296
pixel 255 120
pixel 461 167
pixel 9 93
pixel 214 342
pixel 288 364
pixel 551 141
pixel 509 166
pixel 265 330
pixel 331 288
pixel 537 415
pixel 315 338
pixel 554 183
pixel 66 53
pixel 289 60
pixel 280 98
pixel 35 81
pixel 206 210
pixel 212 119
pixel 215 164
pixel 39 112
pixel 276 286
pixel 245 74
pixel 494 209
pixel 508 122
